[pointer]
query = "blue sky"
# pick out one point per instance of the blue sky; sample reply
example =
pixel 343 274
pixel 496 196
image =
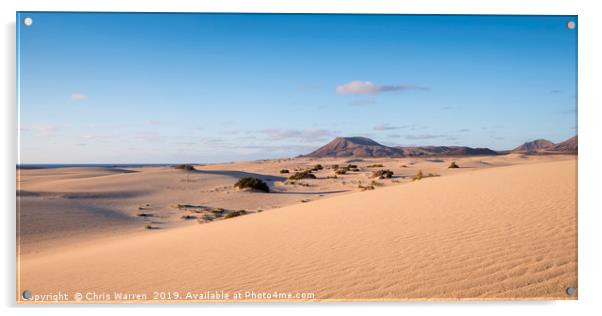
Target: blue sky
pixel 141 88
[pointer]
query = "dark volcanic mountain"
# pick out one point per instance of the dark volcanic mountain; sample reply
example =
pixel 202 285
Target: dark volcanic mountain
pixel 533 146
pixel 364 147
pixel 568 146
pixel 355 147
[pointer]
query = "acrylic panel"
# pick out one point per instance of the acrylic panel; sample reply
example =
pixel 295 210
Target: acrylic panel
pixel 202 157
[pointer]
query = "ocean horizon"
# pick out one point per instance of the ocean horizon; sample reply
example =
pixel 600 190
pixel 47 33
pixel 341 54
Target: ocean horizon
pixel 94 165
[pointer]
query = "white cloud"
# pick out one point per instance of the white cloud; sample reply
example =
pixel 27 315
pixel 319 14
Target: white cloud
pixel 367 87
pixel 78 96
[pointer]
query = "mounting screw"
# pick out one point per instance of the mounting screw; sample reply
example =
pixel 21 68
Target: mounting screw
pixel 570 291
pixel 571 25
pixel 26 295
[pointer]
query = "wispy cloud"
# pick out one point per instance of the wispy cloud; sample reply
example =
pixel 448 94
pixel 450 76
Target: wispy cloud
pixel 41 130
pixel 367 87
pixel 387 127
pixel 463 130
pixel 217 142
pixel 77 96
pixel 555 91
pixel 279 134
pixel 185 143
pixel 96 137
pixel 308 135
pixel 314 134
pixel 423 136
pixel 152 137
pixel 279 148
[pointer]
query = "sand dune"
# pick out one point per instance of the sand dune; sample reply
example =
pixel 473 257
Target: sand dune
pixel 505 232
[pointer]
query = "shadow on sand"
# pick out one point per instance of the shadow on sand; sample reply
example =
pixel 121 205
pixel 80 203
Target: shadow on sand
pixel 240 174
pixel 311 193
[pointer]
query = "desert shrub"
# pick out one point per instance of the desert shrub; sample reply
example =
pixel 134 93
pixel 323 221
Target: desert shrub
pixel 186 206
pixel 317 167
pixel 382 174
pixel 350 166
pixel 235 214
pixel 365 188
pixel 404 166
pixel 284 171
pixel 186 167
pixel 217 211
pixel 300 183
pixel 208 217
pixel 340 171
pixel 145 214
pixel 418 176
pixel 335 166
pixel 302 175
pixel 453 165
pixel 421 175
pixel 188 216
pixel 149 226
pixel 378 165
pixel 252 183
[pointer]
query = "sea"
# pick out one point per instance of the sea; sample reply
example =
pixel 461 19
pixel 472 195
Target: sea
pixel 92 165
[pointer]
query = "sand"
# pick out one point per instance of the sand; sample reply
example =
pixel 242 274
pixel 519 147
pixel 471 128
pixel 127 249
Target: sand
pixel 502 227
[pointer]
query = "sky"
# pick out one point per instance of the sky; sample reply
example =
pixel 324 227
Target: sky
pixel 167 88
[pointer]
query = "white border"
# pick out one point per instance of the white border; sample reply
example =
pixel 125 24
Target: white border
pixel 590 166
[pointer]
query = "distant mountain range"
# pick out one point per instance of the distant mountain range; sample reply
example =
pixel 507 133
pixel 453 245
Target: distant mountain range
pixel 365 148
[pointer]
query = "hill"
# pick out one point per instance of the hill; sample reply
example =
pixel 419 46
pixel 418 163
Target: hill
pixel 542 146
pixel 533 146
pixel 366 148
pixel 355 147
pixel 568 146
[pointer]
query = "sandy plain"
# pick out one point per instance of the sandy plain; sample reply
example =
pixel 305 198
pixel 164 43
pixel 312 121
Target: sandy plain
pixel 499 227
